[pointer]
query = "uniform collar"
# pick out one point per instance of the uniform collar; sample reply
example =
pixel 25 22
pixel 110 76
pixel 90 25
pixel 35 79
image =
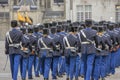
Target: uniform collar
pixel 73 35
pixel 88 28
pixel 16 28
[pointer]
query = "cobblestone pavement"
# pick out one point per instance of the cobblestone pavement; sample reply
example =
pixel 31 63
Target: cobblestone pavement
pixel 5 75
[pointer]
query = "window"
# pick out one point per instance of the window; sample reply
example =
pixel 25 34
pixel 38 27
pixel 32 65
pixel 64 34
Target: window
pixel 58 1
pixel 84 12
pixel 19 3
pixel 118 13
pixel 41 3
pixel 3 1
pixel 16 2
pixel 54 14
pixel 4 15
pixel 27 2
pixel 48 4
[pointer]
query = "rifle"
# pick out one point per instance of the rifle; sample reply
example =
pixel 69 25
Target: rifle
pixel 5 63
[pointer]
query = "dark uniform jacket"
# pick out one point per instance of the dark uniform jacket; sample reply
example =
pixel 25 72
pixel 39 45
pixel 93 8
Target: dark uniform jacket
pixel 62 35
pixel 113 37
pixel 14 46
pixel 117 34
pixel 87 44
pixel 58 44
pixel 26 45
pixel 46 52
pixel 103 44
pixel 37 35
pixel 33 44
pixel 70 45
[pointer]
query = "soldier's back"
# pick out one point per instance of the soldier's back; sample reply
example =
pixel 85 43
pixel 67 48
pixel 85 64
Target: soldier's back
pixel 16 35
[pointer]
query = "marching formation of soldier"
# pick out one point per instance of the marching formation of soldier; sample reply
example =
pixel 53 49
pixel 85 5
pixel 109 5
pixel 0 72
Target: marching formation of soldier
pixel 80 49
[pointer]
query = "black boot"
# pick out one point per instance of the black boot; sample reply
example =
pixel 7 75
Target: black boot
pixel 67 78
pixel 45 78
pixel 82 76
pixel 92 78
pixel 103 79
pixel 37 75
pixel 60 76
pixel 63 73
pixel 55 78
pixel 30 77
pixel 76 78
pixel 23 79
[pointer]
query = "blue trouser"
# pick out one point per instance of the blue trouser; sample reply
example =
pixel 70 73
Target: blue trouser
pixel 118 61
pixel 62 65
pixel 24 67
pixel 21 66
pixel 87 61
pixel 78 66
pixel 46 65
pixel 30 63
pixel 108 57
pixel 14 65
pixel 117 58
pixel 55 66
pixel 42 65
pixel 100 67
pixel 40 68
pixel 106 66
pixel 112 65
pixel 36 65
pixel 96 73
pixel 70 66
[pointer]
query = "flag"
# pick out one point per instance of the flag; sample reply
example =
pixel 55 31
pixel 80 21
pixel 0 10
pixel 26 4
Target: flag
pixel 20 17
pixel 28 20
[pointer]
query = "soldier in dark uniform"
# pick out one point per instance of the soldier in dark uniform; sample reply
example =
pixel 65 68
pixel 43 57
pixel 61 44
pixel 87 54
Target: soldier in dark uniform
pixel 103 49
pixel 117 32
pixel 25 53
pixel 13 49
pixel 78 58
pixel 33 44
pixel 61 67
pixel 87 49
pixel 36 59
pixel 41 34
pixel 57 53
pixel 108 57
pixel 113 37
pixel 70 52
pixel 47 47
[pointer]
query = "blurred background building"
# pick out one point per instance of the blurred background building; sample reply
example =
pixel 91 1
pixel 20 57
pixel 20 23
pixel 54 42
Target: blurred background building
pixel 42 11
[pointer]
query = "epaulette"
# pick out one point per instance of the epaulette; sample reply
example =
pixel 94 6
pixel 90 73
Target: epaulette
pixel 50 37
pixel 26 37
pixel 34 36
pixel 57 35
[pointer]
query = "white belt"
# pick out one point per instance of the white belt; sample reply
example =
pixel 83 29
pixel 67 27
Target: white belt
pixel 70 47
pixel 33 46
pixel 14 44
pixel 46 48
pixel 85 42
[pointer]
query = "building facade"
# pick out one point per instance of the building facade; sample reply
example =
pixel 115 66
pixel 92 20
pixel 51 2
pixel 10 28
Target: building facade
pixel 94 9
pixel 57 10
